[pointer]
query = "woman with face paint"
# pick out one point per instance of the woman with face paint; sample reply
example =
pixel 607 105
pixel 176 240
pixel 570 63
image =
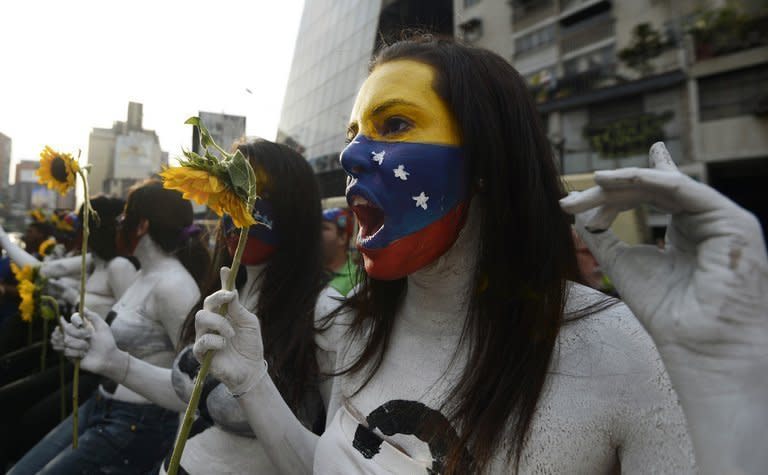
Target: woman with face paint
pixel 469 349
pixel 120 430
pixel 281 280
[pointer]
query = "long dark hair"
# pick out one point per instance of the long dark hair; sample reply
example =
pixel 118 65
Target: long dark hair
pixel 293 277
pixel 525 253
pixel 168 215
pixel 102 226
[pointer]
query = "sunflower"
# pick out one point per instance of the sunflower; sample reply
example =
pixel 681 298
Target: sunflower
pixel 203 187
pixel 26 273
pixel 27 291
pixel 57 170
pixel 46 247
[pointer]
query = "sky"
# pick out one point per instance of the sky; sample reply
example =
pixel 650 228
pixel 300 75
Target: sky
pixel 69 66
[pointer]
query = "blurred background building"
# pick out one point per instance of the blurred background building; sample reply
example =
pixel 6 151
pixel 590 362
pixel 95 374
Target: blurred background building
pixel 124 154
pixel 610 77
pixel 225 130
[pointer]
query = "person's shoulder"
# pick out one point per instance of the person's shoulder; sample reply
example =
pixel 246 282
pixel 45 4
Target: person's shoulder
pixel 121 264
pixel 601 336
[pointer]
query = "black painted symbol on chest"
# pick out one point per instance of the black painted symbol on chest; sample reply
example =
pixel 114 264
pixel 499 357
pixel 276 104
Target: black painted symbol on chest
pixel 409 418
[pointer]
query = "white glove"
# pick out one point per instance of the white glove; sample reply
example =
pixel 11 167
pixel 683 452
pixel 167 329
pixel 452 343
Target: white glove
pixel 94 345
pixel 59 290
pixel 703 299
pixel 57 340
pixel 238 359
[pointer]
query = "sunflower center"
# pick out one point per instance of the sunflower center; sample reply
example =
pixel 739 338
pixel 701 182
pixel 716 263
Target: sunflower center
pixel 59 169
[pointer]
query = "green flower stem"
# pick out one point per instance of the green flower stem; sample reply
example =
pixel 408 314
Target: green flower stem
pixel 194 400
pixel 62 384
pixel 83 253
pixel 55 307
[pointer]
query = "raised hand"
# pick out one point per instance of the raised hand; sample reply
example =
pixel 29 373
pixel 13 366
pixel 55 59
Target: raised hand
pixel 703 299
pixel 235 339
pixel 94 345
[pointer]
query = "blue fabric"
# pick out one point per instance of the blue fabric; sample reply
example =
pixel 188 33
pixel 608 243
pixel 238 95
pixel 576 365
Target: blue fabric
pixel 115 437
pixel 264 232
pixel 414 184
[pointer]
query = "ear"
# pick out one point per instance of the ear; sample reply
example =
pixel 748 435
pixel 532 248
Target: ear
pixel 143 227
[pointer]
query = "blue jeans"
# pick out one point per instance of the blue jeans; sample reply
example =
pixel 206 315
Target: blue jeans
pixel 115 437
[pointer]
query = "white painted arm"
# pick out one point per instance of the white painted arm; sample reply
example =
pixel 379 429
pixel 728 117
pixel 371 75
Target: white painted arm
pixel 66 266
pixel 703 299
pixel 17 254
pixel 93 344
pixel 238 362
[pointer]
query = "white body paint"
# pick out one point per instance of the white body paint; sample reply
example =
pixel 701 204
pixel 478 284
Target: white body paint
pixel 703 299
pixel 152 310
pixel 106 282
pixel 607 404
pixel 222 448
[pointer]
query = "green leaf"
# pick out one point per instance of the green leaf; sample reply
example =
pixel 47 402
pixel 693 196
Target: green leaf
pixel 237 169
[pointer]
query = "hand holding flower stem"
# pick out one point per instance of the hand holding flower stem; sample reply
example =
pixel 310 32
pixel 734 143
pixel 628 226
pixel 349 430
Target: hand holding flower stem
pixel 59 171
pixel 230 187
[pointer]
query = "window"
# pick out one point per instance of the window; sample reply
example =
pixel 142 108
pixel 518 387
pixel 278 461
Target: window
pixel 536 39
pixel 472 30
pixel 591 61
pixel 734 93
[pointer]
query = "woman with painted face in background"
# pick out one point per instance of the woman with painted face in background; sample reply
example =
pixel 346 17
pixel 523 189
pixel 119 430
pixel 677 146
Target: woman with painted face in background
pixel 281 280
pixel 120 430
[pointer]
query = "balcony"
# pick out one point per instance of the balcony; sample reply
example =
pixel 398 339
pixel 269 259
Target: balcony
pixel 529 12
pixel 586 32
pixel 728 30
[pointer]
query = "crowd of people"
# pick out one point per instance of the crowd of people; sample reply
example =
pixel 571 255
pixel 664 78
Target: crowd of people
pixel 447 321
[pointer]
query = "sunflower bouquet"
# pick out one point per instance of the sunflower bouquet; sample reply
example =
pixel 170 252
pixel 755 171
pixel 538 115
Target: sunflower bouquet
pixel 34 305
pixel 59 171
pixel 227 185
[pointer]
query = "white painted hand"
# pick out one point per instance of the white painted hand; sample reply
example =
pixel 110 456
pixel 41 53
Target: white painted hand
pixel 703 299
pixel 94 345
pixel 235 339
pixel 57 340
pixel 61 291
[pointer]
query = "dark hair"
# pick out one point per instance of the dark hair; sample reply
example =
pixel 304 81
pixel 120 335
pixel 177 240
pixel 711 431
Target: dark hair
pixel 525 253
pixel 102 227
pixel 46 229
pixel 168 215
pixel 293 277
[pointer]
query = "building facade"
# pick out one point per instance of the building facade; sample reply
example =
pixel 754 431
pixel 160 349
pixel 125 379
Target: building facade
pixel 124 154
pixel 335 44
pixel 5 161
pixel 611 77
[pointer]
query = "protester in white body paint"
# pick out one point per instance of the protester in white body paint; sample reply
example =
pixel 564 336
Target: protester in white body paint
pixel 282 281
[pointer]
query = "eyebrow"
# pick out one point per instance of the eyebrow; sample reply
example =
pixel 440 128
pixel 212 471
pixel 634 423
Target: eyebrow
pixel 389 104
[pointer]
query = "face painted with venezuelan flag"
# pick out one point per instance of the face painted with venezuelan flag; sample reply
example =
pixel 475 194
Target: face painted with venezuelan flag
pixel 407 173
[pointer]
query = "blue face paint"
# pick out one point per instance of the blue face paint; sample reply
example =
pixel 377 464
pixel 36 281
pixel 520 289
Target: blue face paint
pixel 262 236
pixel 416 194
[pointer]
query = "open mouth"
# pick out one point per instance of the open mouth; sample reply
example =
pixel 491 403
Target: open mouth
pixel 370 217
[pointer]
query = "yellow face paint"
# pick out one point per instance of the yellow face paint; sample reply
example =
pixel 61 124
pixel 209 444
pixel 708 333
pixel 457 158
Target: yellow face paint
pixel 397 103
